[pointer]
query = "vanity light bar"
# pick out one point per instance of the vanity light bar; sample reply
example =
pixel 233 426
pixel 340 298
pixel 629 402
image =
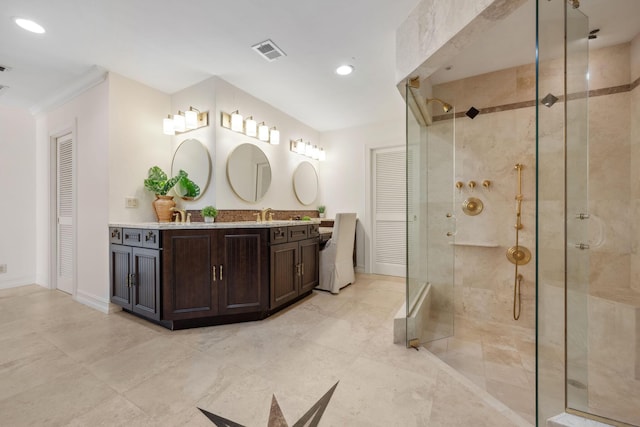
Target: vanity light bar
pixel 185 121
pixel 250 127
pixel 307 149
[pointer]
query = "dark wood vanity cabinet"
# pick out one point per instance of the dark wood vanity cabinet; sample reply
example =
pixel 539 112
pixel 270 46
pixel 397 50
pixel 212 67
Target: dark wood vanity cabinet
pixel 243 270
pixel 186 277
pixel 189 282
pixel 214 272
pixel 294 269
pixel 134 264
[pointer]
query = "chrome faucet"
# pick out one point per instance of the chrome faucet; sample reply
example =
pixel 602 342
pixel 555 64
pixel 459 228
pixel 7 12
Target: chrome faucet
pixel 181 214
pixel 263 214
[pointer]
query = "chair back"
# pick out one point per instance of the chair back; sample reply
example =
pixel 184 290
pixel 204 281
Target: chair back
pixel 344 230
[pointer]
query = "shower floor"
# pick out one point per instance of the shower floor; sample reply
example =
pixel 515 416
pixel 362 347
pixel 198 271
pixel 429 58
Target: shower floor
pixel 499 359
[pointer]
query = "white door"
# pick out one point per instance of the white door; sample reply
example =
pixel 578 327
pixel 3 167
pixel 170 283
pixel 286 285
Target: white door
pixel 64 213
pixel 389 212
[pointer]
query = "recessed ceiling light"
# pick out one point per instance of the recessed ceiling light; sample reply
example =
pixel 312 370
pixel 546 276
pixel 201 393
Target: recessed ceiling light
pixel 344 70
pixel 29 25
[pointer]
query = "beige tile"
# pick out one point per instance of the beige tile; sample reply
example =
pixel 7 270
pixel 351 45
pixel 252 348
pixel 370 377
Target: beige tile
pixel 116 411
pixel 126 369
pixel 55 402
pixel 85 357
pixel 182 385
pixel 33 370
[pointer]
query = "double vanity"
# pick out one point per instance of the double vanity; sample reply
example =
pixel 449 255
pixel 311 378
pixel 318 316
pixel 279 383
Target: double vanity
pixel 188 275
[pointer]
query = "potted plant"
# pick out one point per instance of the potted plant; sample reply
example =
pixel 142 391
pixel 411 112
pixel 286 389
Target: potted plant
pixel 321 211
pixel 160 184
pixel 209 213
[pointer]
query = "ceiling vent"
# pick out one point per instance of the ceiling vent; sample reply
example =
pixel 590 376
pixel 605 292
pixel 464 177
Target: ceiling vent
pixel 268 50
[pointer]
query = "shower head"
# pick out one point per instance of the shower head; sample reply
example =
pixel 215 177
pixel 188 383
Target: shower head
pixel 445 106
pixel 549 100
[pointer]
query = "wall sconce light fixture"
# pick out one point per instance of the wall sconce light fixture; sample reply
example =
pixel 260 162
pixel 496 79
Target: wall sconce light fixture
pixel 179 123
pixel 251 127
pixel 307 149
pixel 263 132
pixel 185 121
pixel 167 126
pixel 274 136
pixel 237 124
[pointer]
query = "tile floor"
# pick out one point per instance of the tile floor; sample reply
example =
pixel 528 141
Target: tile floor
pixel 64 364
pixel 497 358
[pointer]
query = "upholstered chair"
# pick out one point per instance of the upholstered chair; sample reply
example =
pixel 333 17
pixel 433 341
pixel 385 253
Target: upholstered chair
pixel 336 258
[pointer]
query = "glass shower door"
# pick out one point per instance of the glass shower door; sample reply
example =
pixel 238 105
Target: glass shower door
pixel 577 209
pixel 430 223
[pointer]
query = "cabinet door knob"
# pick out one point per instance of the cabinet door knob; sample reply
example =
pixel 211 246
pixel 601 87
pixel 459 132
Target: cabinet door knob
pixel 214 272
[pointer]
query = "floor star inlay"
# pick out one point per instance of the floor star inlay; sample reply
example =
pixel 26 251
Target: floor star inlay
pixel 276 418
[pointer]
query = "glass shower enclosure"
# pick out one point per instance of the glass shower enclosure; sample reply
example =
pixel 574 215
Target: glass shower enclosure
pixel 430 220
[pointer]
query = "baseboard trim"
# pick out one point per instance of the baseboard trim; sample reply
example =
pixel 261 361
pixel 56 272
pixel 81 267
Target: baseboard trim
pixel 96 302
pixel 17 282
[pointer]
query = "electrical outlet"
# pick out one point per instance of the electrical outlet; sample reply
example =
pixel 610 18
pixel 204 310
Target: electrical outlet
pixel 3 268
pixel 130 202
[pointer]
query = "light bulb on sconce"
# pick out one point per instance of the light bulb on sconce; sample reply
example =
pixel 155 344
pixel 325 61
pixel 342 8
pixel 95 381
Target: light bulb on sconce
pixel 250 127
pixel 274 136
pixel 263 132
pixel 191 118
pixel 236 121
pixel 167 126
pixel 308 150
pixel 179 122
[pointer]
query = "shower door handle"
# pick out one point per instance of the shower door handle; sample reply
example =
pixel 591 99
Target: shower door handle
pixel 582 246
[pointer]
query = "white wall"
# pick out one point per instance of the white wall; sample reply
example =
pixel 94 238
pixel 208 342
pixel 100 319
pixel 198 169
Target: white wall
pixel 283 162
pixel 345 176
pixel 136 143
pixel 88 115
pixel 18 178
pixel 201 96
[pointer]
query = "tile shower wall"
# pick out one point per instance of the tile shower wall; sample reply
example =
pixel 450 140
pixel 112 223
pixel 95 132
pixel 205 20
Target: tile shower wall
pixel 487 148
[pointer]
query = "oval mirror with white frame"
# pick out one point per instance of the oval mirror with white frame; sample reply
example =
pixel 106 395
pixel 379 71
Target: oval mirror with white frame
pixel 193 158
pixel 249 172
pixel 305 183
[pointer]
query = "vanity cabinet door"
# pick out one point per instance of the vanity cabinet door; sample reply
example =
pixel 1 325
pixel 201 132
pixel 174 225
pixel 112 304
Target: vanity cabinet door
pixel 189 287
pixel 242 271
pixel 120 270
pixel 284 274
pixel 310 265
pixel 145 282
pixel 135 279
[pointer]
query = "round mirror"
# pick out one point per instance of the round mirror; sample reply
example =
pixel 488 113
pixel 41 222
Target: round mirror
pixel 305 183
pixel 249 172
pixel 193 158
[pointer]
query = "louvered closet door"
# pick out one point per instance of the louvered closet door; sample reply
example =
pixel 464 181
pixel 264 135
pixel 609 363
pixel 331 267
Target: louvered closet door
pixel 64 198
pixel 389 201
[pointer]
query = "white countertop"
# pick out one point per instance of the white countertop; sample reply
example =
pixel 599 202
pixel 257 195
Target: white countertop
pixel 213 225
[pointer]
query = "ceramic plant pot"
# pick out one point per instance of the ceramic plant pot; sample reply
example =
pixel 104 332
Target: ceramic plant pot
pixel 162 205
pixel 209 219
